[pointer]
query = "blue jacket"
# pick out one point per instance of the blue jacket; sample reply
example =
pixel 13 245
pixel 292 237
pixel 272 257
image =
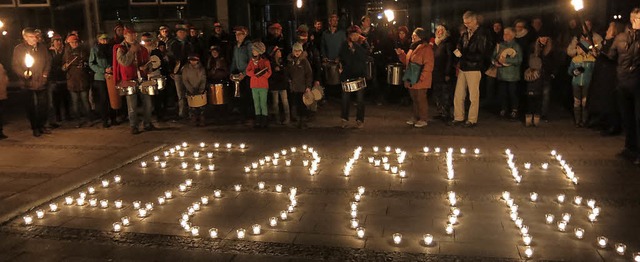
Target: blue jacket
pixel 241 56
pixel 98 64
pixel 586 61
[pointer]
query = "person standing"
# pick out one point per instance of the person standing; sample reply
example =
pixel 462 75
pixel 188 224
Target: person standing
pixel 179 51
pixel 581 69
pixel 625 48
pixel 472 52
pixel 279 85
pixel 241 55
pixel 100 63
pixel 332 41
pixel 130 63
pixel 300 75
pixel 442 72
pixel 195 82
pixel 221 39
pixel 259 70
pixel 419 64
pixel 31 62
pixel 58 93
pixel 353 56
pixel 160 99
pixel 75 64
pixel 507 58
pixel 218 73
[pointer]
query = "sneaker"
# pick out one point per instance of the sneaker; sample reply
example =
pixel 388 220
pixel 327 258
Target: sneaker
pixel 344 124
pixel 455 123
pixel 135 131
pixel 470 124
pixel 420 124
pixel 411 122
pixel 359 124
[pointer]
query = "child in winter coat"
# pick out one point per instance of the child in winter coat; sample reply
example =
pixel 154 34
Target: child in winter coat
pixel 300 74
pixel 507 58
pixel 194 79
pixel 278 86
pixel 581 69
pixel 259 69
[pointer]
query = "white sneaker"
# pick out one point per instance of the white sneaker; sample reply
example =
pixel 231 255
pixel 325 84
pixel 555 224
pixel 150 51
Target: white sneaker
pixel 420 124
pixel 411 122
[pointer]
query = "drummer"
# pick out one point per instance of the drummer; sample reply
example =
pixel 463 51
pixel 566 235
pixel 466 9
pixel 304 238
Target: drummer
pixel 217 73
pixel 353 57
pixel 195 81
pixel 129 63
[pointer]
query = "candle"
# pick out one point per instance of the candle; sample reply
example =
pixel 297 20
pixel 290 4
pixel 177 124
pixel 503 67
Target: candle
pixel 294 149
pixel 305 162
pixel 527 165
pixel 143 164
pixel 204 200
pixel 577 200
pixel 117 227
pixel 53 207
pixel 592 217
pixel 136 204
pixel 397 238
pixel 428 239
pixel 476 151
pixel 256 229
pixel 354 213
pixel 553 152
pixel 243 145
pixel 125 221
pixel 68 200
pixel 142 212
pixel 202 144
pixel 357 197
pixel 161 200
pixel 354 223
pixel 453 219
pixel 105 183
pixel 549 218
pixel 273 221
pixel 195 231
pixel 197 166
pixel 168 194
pixel 506 195
pixel 80 201
pixel 602 241
pixel 507 151
pixel 463 150
pixel 217 193
pixel 261 185
pixel 82 194
pixel 437 150
pixel 513 216
pixel 579 233
pixel 261 162
pixel 156 158
pixel 394 169
pixel 528 251
pixel 213 233
pixel 186 226
pixel 240 233
pixel 93 202
pixel 40 213
pixel 455 211
pixel 181 153
pixel 545 166
pixel 533 196
pixel 283 215
pixel 172 150
pixel 209 154
pixel 402 174
pixel 163 164
pixel 518 222
pixel 287 162
pixel 566 217
pixel 212 167
pixel 166 153
pixel 184 144
pixel 118 203
pixel 385 159
pixel 247 169
pixel 293 191
pixel 196 154
pixel 591 203
pixel 104 203
pixel 361 190
pixel 196 206
pixel 182 187
pixel 360 232
pixel 276 155
pixel 448 229
pixel 375 149
pixel 376 162
pixel 526 239
pixel 596 210
pixel 620 248
pixel 237 187
pixel 304 147
pixel 524 229
pixel 425 149
pixel 216 145
pixel 562 225
pixel 561 198
pixel 513 208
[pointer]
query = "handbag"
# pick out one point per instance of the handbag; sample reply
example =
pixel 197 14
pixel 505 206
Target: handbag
pixel 412 73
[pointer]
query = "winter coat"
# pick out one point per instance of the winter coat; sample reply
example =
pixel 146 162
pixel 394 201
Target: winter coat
pixel 125 62
pixel 476 52
pixel 332 43
pixel 299 72
pixel 217 69
pixel 422 55
pixel 194 79
pixel 270 42
pixel 39 70
pixel 77 74
pixel 254 67
pixel 56 74
pixel 98 63
pixel 625 48
pixel 511 71
pixel 353 62
pixel 241 56
pixel 443 60
pixel 586 61
pixel 547 57
pixel 313 57
pixel 278 80
pixel 179 52
pixel 4 81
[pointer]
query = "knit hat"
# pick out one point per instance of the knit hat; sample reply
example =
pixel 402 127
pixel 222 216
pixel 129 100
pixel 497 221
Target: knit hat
pixel 275 26
pixel 353 29
pixel 56 36
pixel 544 33
pixel 214 47
pixel 99 36
pixel 163 27
pixel 273 51
pixel 302 28
pixel 403 29
pixel 217 24
pixel 193 57
pixel 242 29
pixel 258 47
pixel 297 46
pixel 423 34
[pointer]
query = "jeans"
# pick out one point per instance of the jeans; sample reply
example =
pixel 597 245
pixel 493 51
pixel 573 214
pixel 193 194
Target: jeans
pixel 629 101
pixel 260 100
pixel 37 108
pixel 80 99
pixel 420 104
pixel 132 106
pixel 467 80
pixel 181 92
pixel 580 104
pixel 281 96
pixel 508 94
pixel 346 99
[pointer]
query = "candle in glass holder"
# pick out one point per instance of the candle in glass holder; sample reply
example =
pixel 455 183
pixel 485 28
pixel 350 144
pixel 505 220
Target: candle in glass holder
pixel 360 232
pixel 117 227
pixel 518 222
pixel 397 238
pixel 577 200
pixel 596 210
pixel 507 151
pixel 196 206
pixel 561 198
pixel 172 150
pixel 53 207
pixel 182 188
pixel 506 195
pixel 216 145
pixel 161 200
pixel 212 167
pixel 105 183
pixel 166 153
pixel 548 218
pixel 142 212
pixel 357 197
pixel 602 241
pixel 261 185
pixel 361 190
pixel 184 165
pixel 513 216
pixel 528 251
pixel 533 196
pixel 591 203
pixel 562 225
pixel 256 229
pixel 274 162
pixel 527 165
pixel 354 213
pixel 80 201
pixel 82 195
pixel 209 155
pixel 375 149
pixel 181 153
pixel 592 217
pixel 217 193
pixel 566 217
pixel 136 204
pixel 620 248
pixel 188 182
pixel 195 231
pixel 293 191
pixel 402 174
pixel 387 149
pixel 448 229
pixel 305 162
pixel 40 213
pixel 229 145
pixel 452 219
pixel 143 164
pixel 273 221
pixel 394 169
pixel 354 223
pixel 118 204
pixel 242 146
pixel 283 214
pixel 261 162
pixel 163 164
pixel 636 256
pixel 197 166
pixel 68 200
pixel 202 144
pixel 545 166
pixel 104 203
pixel 385 159
pixel 524 229
pixel 237 187
pixel 287 162
pixel 293 149
pixel 278 188
pixel 93 202
pixel 526 239
pixel 579 233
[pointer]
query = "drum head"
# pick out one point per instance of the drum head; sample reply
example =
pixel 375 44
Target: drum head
pixel 155 62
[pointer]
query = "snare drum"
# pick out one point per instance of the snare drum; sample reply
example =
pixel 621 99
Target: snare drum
pixel 149 87
pixel 353 85
pixel 127 88
pixel 197 100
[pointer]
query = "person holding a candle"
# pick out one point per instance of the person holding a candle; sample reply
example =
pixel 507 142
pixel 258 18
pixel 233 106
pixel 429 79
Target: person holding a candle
pixel 130 63
pixel 31 62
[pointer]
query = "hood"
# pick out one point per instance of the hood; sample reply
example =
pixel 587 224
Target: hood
pixel 303 56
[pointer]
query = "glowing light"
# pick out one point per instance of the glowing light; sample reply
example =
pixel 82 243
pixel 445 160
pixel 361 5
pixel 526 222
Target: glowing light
pixel 620 248
pixel 360 232
pixel 577 4
pixel 397 238
pixel 579 233
pixel 602 241
pixel 256 229
pixel 240 233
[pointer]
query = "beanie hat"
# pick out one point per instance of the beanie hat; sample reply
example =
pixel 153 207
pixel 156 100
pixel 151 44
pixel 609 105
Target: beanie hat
pixel 276 26
pixel 403 29
pixel 353 29
pixel 297 46
pixel 258 47
pixel 423 34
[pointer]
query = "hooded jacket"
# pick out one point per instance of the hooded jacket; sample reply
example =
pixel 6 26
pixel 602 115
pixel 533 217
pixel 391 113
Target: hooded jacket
pixel 194 79
pixel 625 48
pixel 299 72
pixel 585 61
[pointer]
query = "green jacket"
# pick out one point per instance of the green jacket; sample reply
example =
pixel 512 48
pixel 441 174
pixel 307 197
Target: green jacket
pixel 98 64
pixel 509 72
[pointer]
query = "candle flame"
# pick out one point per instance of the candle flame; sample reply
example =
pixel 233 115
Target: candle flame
pixel 28 60
pixel 577 4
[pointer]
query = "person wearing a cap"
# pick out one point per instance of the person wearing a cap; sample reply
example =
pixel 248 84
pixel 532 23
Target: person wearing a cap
pixel 312 53
pixel 100 63
pixel 194 79
pixel 164 35
pixel 276 38
pixel 300 74
pixel 33 79
pixel 221 39
pixel 75 64
pixel 58 93
pixel 179 52
pixel 278 85
pixel 241 55
pixel 539 90
pixel 129 63
pixel 160 99
pixel 581 69
pixel 353 57
pixel 259 71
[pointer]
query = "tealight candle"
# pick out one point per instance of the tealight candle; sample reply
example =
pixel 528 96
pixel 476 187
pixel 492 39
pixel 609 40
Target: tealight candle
pixel 217 193
pixel 506 195
pixel 196 154
pixel 118 204
pixel 397 238
pixel 195 231
pixel 82 194
pixel 105 183
pixel 402 174
pixel 237 187
pixel 513 216
pixel 209 155
pixel 528 251
pixel 40 213
pixel 148 206
pixel 242 146
pixel 376 162
pixel 437 150
pixel 166 153
pixel 172 150
pixel 519 222
pixel 636 256
pixel 276 155
pixel 577 200
pixel 184 144
pixel 387 149
pixel 527 165
pixel 566 217
pixel 212 167
pixel 261 162
pixel 125 221
pixel 197 166
pixel 163 164
pixel 181 153
pixel 240 233
pixel 80 201
pixel 216 145
pixel 476 151
pixel 453 219
pixel 507 151
pixel 104 203
pixel 602 241
pixel 184 165
pixel 596 210
pixel 394 169
pixel 553 152
pixel 53 207
pixel 186 226
pixel 305 162
pixel 533 196
pixel 117 227
pixel 427 239
pixel 354 213
pixel 524 229
pixel 273 221
pixel 283 214
pixel 213 233
pixel 256 229
pixel 261 185
pixel 455 211
pixel 136 204
pixel 142 212
pixel 620 248
pixel 229 145
pixel 182 187
pixel 304 147
pixel 293 191
pixel 287 162
pixel 526 239
pixel 361 190
pixel 548 218
pixel 161 200
pixel 579 233
pixel 561 198
pixel 354 205
pixel 545 166
pixel 68 200
pixel 360 232
pixel 293 149
pixel 448 229
pixel 592 217
pixel 196 206
pixel 375 149
pixel 385 159
pixel 463 150
pixel 168 194
pixel 247 169
pixel 143 164
pixel 93 202
pixel 562 225
pixel 202 144
pixel 357 197
pixel 591 203
pixel 204 200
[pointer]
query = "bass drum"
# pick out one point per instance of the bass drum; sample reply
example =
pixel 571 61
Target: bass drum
pixel 332 73
pixel 216 94
pixel 114 95
pixel 197 100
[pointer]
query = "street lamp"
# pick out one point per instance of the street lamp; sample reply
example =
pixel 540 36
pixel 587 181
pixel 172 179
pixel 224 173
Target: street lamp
pixel 299 4
pixel 577 4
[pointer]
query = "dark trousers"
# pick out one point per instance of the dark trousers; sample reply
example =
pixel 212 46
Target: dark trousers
pixel 534 104
pixel 346 100
pixel 442 93
pixel 37 108
pixel 508 94
pixel 61 100
pixel 298 104
pixel 629 100
pixel 102 101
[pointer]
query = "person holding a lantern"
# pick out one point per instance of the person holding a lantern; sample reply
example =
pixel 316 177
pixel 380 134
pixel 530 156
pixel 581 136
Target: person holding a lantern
pixel 32 62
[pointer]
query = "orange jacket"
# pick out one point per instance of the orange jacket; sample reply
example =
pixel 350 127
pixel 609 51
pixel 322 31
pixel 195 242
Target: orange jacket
pixel 422 55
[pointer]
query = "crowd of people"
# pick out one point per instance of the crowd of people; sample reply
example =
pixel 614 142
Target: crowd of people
pixel 270 80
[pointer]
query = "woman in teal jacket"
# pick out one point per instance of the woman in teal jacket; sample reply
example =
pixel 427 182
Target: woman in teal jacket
pixel 581 69
pixel 100 63
pixel 507 58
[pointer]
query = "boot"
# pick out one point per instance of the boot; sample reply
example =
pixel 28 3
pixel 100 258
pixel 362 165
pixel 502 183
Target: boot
pixel 536 120
pixel 528 120
pixel 577 115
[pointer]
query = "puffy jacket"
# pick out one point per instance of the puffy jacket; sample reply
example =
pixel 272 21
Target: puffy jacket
pixel 299 72
pixel 511 72
pixel 353 62
pixel 587 62
pixel 241 56
pixel 477 51
pixel 194 79
pixel 625 48
pixel 254 67
pixel 422 55
pixel 40 68
pixel 98 63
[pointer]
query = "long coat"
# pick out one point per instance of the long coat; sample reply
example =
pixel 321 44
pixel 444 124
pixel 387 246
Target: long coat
pixel 422 55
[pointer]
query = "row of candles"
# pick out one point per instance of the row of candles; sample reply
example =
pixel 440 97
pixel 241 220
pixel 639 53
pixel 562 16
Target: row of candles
pixel 275 158
pixel 438 150
pixel 566 168
pixel 519 223
pixel 384 161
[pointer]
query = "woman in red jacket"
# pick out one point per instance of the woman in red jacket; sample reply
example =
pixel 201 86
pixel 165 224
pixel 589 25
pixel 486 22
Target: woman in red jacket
pixel 259 69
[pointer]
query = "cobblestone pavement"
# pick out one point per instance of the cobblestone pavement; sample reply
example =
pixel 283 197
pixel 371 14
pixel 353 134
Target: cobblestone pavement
pixel 36 172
